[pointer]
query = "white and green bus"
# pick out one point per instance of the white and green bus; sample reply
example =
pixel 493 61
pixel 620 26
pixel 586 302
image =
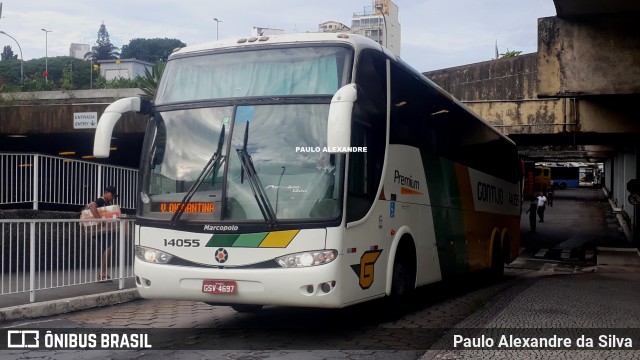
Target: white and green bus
pixel 313 170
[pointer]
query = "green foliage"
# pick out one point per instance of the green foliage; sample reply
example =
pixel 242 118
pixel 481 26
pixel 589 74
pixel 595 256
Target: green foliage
pixel 67 73
pixel 99 82
pixel 149 82
pixel 122 83
pixel 10 71
pixel 151 50
pixel 7 53
pixel 37 83
pixel 10 88
pixel 509 54
pixel 78 77
pixel 66 82
pixel 119 83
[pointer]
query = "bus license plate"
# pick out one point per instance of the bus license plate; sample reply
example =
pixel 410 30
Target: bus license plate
pixel 219 287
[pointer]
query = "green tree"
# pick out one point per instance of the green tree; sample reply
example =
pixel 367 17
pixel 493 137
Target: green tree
pixel 66 82
pixel 151 50
pixel 7 53
pixel 10 71
pixel 104 49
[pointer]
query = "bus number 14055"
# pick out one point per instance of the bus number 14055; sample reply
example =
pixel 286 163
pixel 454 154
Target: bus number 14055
pixel 182 242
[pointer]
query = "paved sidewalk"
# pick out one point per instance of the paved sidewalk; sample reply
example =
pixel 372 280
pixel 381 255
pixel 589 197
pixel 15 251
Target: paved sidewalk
pixel 65 299
pixel 601 300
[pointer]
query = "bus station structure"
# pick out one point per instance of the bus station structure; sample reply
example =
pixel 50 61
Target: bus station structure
pixel 575 99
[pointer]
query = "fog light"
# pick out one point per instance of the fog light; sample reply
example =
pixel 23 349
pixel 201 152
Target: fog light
pixel 325 287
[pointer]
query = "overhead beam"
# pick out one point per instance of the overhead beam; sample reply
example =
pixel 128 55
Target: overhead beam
pixel 581 8
pixel 590 56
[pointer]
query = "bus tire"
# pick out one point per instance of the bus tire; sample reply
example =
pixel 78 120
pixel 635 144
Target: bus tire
pixel 244 308
pixel 497 260
pixel 563 186
pixel 506 248
pixel 402 282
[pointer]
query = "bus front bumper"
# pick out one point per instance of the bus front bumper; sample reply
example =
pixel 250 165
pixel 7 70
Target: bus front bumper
pixel 315 286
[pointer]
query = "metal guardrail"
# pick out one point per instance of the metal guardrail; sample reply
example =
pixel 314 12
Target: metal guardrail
pixel 45 254
pixel 37 178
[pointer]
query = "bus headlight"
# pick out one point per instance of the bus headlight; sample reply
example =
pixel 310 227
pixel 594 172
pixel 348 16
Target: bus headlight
pixel 309 258
pixel 152 255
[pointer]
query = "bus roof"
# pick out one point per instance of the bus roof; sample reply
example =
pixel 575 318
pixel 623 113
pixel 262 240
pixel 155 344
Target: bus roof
pixel 357 41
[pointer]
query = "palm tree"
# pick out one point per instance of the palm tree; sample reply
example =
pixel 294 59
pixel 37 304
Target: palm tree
pixel 149 83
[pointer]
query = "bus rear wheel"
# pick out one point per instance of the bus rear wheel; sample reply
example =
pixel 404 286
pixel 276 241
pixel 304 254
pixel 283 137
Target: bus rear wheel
pixel 497 261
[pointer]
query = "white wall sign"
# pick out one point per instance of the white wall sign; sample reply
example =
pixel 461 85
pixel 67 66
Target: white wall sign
pixel 85 120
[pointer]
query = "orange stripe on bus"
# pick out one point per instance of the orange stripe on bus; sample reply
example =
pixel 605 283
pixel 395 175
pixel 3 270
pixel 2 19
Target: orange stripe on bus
pixel 407 191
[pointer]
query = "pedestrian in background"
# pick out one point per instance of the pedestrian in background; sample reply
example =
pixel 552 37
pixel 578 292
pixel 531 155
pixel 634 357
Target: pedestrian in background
pixel 533 207
pixel 550 197
pixel 110 194
pixel 542 202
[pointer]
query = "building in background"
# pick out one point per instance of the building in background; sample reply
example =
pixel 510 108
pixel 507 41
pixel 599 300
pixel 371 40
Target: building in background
pixel 380 23
pixel 333 27
pixel 263 31
pixel 78 51
pixel 125 68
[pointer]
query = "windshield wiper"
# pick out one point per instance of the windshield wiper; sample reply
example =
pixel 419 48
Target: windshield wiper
pixel 254 181
pixel 211 164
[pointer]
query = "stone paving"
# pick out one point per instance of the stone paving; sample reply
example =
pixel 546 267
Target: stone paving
pixel 540 296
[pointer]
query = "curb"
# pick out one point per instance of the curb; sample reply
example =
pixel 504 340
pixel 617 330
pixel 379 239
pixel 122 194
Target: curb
pixel 621 220
pixel 612 259
pixel 62 306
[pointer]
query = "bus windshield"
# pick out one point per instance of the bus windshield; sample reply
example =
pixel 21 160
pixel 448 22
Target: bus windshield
pixel 286 71
pixel 271 141
pixel 233 161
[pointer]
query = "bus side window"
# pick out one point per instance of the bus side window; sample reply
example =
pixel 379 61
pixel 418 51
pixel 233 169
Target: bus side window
pixel 369 129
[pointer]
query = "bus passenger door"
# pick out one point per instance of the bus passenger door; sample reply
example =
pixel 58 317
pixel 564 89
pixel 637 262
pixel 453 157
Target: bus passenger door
pixel 366 237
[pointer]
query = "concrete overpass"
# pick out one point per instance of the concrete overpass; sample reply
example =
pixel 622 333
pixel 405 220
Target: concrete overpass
pixel 43 122
pixel 576 99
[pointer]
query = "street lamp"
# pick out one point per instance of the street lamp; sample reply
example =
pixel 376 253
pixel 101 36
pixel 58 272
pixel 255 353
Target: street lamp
pixel 380 8
pixel 21 58
pixel 46 54
pixel 217 22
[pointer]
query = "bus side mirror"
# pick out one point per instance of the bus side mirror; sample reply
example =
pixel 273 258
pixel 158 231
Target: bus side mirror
pixel 108 121
pixel 339 124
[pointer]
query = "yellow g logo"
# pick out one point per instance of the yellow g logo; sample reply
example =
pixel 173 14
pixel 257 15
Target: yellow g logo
pixel 365 270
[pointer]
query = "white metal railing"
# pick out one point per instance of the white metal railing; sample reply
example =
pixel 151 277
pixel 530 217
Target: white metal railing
pixel 37 178
pixel 45 254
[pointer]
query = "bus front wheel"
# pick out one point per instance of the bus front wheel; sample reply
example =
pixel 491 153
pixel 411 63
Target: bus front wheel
pixel 402 283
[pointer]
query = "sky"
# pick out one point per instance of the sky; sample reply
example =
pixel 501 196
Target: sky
pixel 436 34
